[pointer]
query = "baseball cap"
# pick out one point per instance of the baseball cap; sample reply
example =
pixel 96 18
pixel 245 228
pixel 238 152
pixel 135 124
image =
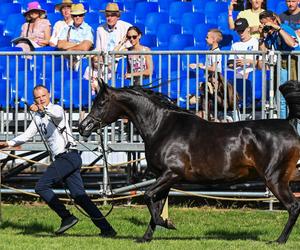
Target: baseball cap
pixel 241 24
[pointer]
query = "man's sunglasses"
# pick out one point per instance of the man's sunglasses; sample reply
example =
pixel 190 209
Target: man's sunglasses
pixel 111 14
pixel 129 37
pixel 81 15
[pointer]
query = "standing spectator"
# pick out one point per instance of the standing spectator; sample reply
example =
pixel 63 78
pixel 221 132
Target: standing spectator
pixel 214 62
pixel 214 68
pixel 291 17
pixel 244 63
pixel 78 36
pixel 96 71
pixel 110 34
pixel 138 66
pixel 251 13
pixel 281 37
pixel 36 30
pixel 65 9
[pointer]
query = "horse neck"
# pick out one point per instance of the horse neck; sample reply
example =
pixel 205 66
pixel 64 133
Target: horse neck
pixel 143 113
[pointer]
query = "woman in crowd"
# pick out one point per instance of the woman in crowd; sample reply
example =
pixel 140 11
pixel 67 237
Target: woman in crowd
pixel 251 13
pixel 36 29
pixel 65 9
pixel 138 66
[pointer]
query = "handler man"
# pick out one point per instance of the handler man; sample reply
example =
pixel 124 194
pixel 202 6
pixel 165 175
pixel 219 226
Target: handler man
pixel 49 119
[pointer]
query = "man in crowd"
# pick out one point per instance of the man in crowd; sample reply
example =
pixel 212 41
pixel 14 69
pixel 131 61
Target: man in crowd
pixel 291 16
pixel 110 34
pixel 244 63
pixel 78 36
pixel 278 37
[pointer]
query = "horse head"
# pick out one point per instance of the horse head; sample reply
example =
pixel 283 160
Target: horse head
pixel 104 111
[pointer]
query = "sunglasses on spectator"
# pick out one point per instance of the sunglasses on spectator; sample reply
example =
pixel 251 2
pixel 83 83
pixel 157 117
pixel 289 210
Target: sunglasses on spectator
pixel 134 37
pixel 111 14
pixel 81 15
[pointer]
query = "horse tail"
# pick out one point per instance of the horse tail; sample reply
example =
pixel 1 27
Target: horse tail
pixel 291 92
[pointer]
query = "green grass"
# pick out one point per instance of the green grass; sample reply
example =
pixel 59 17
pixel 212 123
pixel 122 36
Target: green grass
pixel 31 227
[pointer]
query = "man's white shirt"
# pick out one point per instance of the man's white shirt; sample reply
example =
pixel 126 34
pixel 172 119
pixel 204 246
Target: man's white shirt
pixel 250 45
pixel 56 140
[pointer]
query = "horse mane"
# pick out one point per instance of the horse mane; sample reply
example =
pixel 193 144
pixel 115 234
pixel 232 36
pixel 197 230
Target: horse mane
pixel 157 98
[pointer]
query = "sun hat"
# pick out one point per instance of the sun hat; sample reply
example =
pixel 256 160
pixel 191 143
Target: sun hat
pixel 111 8
pixel 77 9
pixel 63 4
pixel 34 6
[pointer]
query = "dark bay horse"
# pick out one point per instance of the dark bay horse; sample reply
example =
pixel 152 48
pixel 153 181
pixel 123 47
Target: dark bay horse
pixel 180 146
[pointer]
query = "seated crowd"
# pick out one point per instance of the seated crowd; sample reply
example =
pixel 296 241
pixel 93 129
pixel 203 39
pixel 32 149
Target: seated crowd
pixel 256 28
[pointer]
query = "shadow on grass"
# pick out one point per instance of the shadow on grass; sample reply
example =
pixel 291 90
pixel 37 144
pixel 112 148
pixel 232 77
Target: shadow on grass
pixel 136 221
pixel 239 235
pixel 31 228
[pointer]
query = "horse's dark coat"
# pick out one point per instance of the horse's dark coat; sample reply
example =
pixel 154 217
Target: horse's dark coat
pixel 180 146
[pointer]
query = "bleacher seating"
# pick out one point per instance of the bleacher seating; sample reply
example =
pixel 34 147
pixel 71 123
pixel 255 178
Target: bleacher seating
pixel 154 20
pixel 190 20
pixel 166 25
pixel 142 9
pixel 175 15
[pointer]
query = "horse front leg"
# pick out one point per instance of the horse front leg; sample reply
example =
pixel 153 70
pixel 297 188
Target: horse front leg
pixel 155 198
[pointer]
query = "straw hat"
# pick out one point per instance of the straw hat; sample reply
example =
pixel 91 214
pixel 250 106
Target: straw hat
pixel 77 9
pixel 111 7
pixel 64 3
pixel 33 6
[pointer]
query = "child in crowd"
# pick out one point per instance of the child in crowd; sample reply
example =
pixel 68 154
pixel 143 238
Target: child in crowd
pixel 213 66
pixel 96 71
pixel 214 62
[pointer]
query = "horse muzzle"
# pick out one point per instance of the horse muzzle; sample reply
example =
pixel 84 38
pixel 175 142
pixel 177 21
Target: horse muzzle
pixel 87 126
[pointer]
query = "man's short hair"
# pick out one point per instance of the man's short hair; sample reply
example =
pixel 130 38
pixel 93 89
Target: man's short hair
pixel 39 87
pixel 266 14
pixel 217 33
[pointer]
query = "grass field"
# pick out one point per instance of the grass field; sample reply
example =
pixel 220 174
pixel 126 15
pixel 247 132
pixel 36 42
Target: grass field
pixel 32 226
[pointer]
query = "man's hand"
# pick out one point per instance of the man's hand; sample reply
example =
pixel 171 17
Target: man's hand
pixel 3 144
pixel 35 108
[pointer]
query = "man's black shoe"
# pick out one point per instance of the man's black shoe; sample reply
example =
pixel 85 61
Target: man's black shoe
pixel 108 233
pixel 66 224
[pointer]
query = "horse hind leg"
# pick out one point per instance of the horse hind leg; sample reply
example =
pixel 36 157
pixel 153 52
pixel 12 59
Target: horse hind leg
pixel 281 189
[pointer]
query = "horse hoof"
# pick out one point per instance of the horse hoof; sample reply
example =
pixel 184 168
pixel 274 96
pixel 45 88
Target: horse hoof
pixel 142 240
pixel 170 224
pixel 275 242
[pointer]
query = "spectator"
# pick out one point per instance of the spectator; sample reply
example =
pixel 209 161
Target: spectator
pixel 251 13
pixel 96 71
pixel 78 36
pixel 65 9
pixel 138 66
pixel 281 37
pixel 36 30
pixel 110 34
pixel 244 63
pixel 291 17
pixel 214 62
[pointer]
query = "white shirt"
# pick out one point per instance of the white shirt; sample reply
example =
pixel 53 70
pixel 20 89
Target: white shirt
pixel 56 140
pixel 58 27
pixel 212 59
pixel 250 45
pixel 106 39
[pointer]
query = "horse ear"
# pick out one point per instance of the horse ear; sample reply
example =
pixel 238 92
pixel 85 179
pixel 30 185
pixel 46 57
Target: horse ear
pixel 102 85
